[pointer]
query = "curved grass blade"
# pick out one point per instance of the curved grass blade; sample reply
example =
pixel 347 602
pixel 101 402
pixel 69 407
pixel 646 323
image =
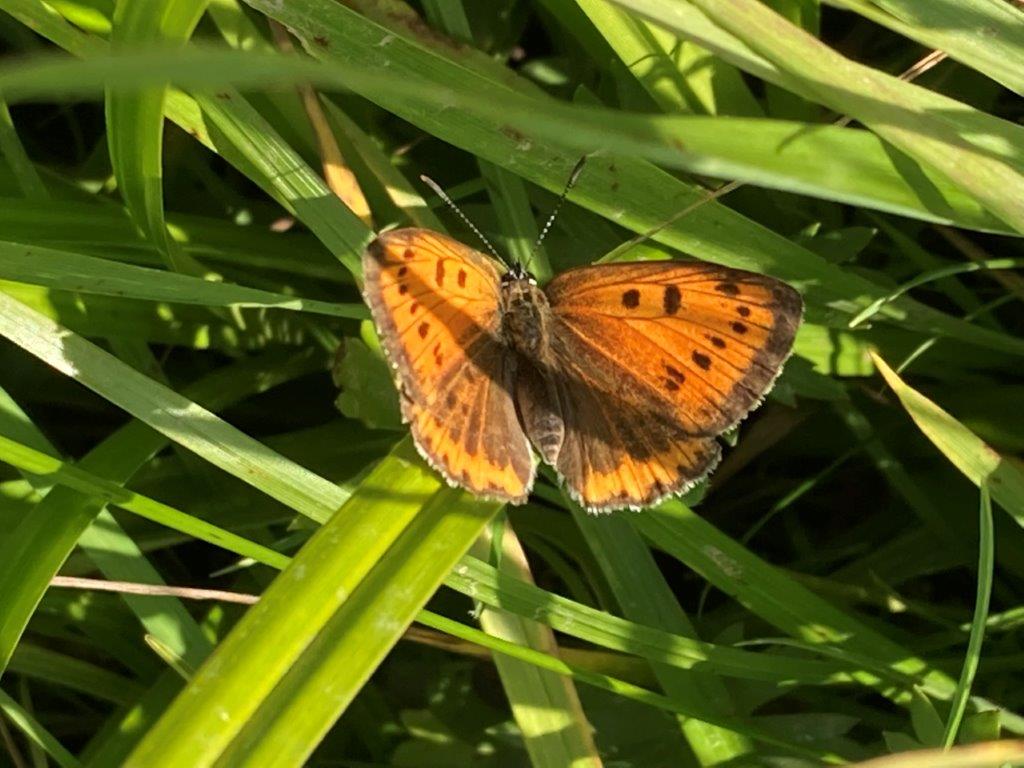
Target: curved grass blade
pixel 927 277
pixel 982 34
pixel 979 462
pixel 32 554
pixel 37 463
pixel 646 598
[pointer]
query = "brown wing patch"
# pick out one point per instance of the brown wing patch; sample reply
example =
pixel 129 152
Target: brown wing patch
pixel 617 456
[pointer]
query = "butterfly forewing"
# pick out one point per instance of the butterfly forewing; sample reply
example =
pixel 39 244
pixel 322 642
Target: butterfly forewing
pixel 699 342
pixel 435 304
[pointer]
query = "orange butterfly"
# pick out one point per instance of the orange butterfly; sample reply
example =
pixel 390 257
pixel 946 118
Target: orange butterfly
pixel 620 375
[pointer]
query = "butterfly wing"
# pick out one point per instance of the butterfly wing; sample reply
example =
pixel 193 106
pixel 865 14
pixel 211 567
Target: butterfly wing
pixel 653 361
pixel 435 304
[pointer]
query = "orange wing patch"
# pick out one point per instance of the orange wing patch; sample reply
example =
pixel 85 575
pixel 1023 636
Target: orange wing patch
pixel 435 304
pixel 699 343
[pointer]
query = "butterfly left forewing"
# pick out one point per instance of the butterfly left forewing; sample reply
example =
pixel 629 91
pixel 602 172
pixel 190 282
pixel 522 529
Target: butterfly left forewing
pixel 654 360
pixel 435 304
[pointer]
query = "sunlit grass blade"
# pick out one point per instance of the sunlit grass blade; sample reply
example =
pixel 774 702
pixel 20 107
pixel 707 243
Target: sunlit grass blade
pixel 977 461
pixel 897 111
pixel 476 579
pixel 135 120
pixel 45 537
pixel 776 597
pixel 344 575
pixel 29 460
pixel 546 706
pixel 69 271
pixel 927 277
pixel 168 412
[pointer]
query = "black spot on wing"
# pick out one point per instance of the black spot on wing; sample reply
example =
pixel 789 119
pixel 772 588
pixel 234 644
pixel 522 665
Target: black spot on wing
pixel 671 300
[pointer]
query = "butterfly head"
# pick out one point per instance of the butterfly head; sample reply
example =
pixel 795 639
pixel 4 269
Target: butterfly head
pixel 517 272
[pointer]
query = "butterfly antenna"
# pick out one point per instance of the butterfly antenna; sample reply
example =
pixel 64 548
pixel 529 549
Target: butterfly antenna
pixel 465 219
pixel 573 177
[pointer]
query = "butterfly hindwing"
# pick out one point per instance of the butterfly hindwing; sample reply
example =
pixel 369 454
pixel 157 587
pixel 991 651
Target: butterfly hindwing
pixel 435 304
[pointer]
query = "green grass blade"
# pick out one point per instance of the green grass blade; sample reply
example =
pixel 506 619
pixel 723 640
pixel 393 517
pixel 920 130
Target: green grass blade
pixel 35 462
pixel 972 657
pixel 480 581
pixel 646 598
pixel 546 706
pixel 324 590
pixel 897 111
pixel 35 732
pixel 166 411
pixel 69 271
pixel 977 461
pixel 985 35
pixel 135 120
pixel 678 75
pixel 32 554
pixel 775 596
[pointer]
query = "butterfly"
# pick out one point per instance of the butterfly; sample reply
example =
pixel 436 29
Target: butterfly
pixel 620 376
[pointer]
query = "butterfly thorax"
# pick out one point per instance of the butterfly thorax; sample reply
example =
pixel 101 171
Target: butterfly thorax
pixel 525 316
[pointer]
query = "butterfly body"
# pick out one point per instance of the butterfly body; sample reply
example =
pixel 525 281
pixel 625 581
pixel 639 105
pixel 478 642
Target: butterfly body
pixel 620 376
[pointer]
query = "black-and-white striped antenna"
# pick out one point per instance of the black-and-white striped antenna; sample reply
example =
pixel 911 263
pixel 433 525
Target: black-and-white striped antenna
pixel 573 177
pixel 451 204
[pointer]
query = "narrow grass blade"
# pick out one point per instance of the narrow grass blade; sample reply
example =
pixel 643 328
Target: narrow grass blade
pixel 168 412
pixel 40 464
pixel 31 555
pixel 986 567
pixel 776 597
pixel 35 732
pixel 69 271
pixel 977 461
pixel 899 112
pixel 546 706
pixel 482 582
pixel 335 604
